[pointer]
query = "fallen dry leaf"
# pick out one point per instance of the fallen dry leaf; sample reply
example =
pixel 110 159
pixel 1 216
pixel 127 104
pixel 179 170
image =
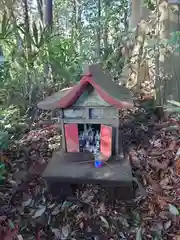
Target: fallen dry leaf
pixel 172 146
pixel 167 224
pixel 66 230
pixel 134 159
pixel 26 199
pixel 173 209
pixel 39 212
pixel 177 166
pixel 162 202
pixel 158 165
pixel 102 208
pixel 19 237
pixel 105 222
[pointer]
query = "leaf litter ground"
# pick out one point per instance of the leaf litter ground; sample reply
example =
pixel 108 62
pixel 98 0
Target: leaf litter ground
pixel 28 211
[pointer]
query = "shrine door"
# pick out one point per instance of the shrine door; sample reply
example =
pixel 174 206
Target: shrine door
pixel 72 138
pixel 106 140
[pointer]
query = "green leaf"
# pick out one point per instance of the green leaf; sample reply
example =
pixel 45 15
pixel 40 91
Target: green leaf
pixel 6 27
pixel 139 234
pixel 11 224
pixel 2 166
pixel 2 178
pixel 173 210
pixel 4 140
pixel 173 109
pixel 41 41
pixel 172 128
pixel 105 222
pixel 4 23
pixel 35 33
pixel 174 103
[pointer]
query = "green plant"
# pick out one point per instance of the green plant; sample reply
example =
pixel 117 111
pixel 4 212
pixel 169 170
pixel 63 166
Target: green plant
pixel 150 4
pixel 4 143
pixel 4 140
pixel 2 172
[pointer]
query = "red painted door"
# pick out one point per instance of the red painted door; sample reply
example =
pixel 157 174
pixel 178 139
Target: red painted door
pixel 106 140
pixel 72 138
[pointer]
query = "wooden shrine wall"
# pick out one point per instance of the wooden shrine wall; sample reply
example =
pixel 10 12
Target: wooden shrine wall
pixel 90 113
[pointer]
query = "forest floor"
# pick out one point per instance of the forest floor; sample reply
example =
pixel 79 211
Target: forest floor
pixel 28 211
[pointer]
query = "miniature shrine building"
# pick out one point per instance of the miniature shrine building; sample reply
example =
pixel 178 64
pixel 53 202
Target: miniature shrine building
pixel 90 107
pixel 89 117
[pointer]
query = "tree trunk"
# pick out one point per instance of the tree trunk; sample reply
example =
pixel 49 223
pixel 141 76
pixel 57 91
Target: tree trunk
pixel 47 13
pixel 73 21
pixel 76 31
pixel 79 26
pixel 134 18
pixel 140 72
pixel 106 27
pixel 28 50
pixel 40 9
pixel 26 24
pixel 172 69
pixel 168 84
pixel 47 20
pixel 134 13
pixel 98 27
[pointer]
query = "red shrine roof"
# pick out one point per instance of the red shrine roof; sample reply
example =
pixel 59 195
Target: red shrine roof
pixel 109 91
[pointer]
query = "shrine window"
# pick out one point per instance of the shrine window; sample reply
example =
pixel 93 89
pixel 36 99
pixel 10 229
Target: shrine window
pixel 75 113
pixel 102 113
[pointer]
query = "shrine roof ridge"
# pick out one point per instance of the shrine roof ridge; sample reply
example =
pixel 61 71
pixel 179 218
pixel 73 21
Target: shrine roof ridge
pixel 109 91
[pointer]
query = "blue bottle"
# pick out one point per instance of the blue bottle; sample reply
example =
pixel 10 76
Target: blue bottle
pixel 97 163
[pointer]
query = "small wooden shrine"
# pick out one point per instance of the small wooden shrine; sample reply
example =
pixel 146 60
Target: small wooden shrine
pixel 89 118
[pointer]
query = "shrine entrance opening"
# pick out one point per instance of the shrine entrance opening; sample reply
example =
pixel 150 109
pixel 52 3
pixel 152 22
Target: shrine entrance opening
pixel 95 138
pixel 89 137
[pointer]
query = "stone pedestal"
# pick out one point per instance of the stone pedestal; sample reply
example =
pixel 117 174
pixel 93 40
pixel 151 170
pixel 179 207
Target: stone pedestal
pixel 78 168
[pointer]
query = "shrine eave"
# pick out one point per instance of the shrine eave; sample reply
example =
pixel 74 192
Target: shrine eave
pixel 77 90
pixel 109 91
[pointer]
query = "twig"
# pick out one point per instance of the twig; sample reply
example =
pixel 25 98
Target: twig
pixel 91 161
